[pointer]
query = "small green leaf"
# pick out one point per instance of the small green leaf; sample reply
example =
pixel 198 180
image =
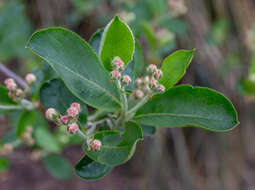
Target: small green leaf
pixel 46 140
pixel 95 40
pixel 26 119
pixel 174 67
pixel 4 164
pixel 116 148
pixel 185 105
pixel 117 40
pixel 90 170
pixel 58 167
pixel 78 66
pixel 54 94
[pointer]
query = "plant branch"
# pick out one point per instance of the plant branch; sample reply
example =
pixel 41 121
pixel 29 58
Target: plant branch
pixel 9 73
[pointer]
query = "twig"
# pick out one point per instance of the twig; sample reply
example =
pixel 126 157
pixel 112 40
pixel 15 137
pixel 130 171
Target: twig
pixel 11 74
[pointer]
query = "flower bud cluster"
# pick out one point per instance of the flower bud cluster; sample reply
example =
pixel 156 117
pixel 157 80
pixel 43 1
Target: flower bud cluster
pixel 149 84
pixel 6 149
pixel 15 93
pixel 94 145
pixel 118 66
pixel 27 136
pixel 69 120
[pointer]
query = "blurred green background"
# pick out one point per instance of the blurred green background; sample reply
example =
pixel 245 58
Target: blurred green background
pixel 223 33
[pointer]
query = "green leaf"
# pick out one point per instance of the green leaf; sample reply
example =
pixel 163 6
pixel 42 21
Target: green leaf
pixel 58 167
pixel 185 105
pixel 117 40
pixel 78 66
pixel 95 40
pixel 90 170
pixel 4 164
pixel 46 140
pixel 174 67
pixel 26 119
pixel 116 148
pixel 5 102
pixel 54 94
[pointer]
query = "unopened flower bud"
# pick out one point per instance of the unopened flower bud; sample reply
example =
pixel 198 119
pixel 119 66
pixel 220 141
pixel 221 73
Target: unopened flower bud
pixel 51 114
pixel 76 105
pixel 118 64
pixel 151 68
pixel 9 80
pixel 161 88
pixel 10 95
pixel 139 94
pixel 138 82
pixel 30 78
pixel 19 92
pixel 73 128
pixel 64 119
pixel 153 83
pixel 126 80
pixel 6 149
pixel 11 86
pixel 146 80
pixel 158 74
pixel 96 144
pixel 115 74
pixel 72 112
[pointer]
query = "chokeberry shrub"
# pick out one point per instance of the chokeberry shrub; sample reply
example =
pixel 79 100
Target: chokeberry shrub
pixel 129 102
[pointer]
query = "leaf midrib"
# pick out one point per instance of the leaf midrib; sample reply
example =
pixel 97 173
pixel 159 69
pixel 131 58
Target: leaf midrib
pixel 177 115
pixel 92 82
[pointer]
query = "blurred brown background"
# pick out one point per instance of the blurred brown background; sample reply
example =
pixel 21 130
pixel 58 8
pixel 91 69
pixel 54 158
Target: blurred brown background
pixel 174 159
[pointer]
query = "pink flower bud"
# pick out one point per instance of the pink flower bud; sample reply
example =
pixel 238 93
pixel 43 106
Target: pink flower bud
pixel 138 82
pixel 9 80
pixel 115 74
pixel 96 144
pixel 19 92
pixel 76 105
pixel 161 88
pixel 146 80
pixel 139 94
pixel 126 80
pixel 118 64
pixel 30 78
pixel 11 86
pixel 72 112
pixel 64 119
pixel 158 74
pixel 153 83
pixel 51 114
pixel 151 68
pixel 73 128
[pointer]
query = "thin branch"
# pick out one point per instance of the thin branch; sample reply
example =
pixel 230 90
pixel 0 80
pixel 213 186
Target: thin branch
pixel 9 73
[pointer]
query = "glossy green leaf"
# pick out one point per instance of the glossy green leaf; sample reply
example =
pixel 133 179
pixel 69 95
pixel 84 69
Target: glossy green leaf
pixel 95 40
pixel 58 167
pixel 174 67
pixel 5 101
pixel 4 164
pixel 54 94
pixel 117 40
pixel 90 170
pixel 185 105
pixel 46 140
pixel 116 148
pixel 78 65
pixel 27 119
